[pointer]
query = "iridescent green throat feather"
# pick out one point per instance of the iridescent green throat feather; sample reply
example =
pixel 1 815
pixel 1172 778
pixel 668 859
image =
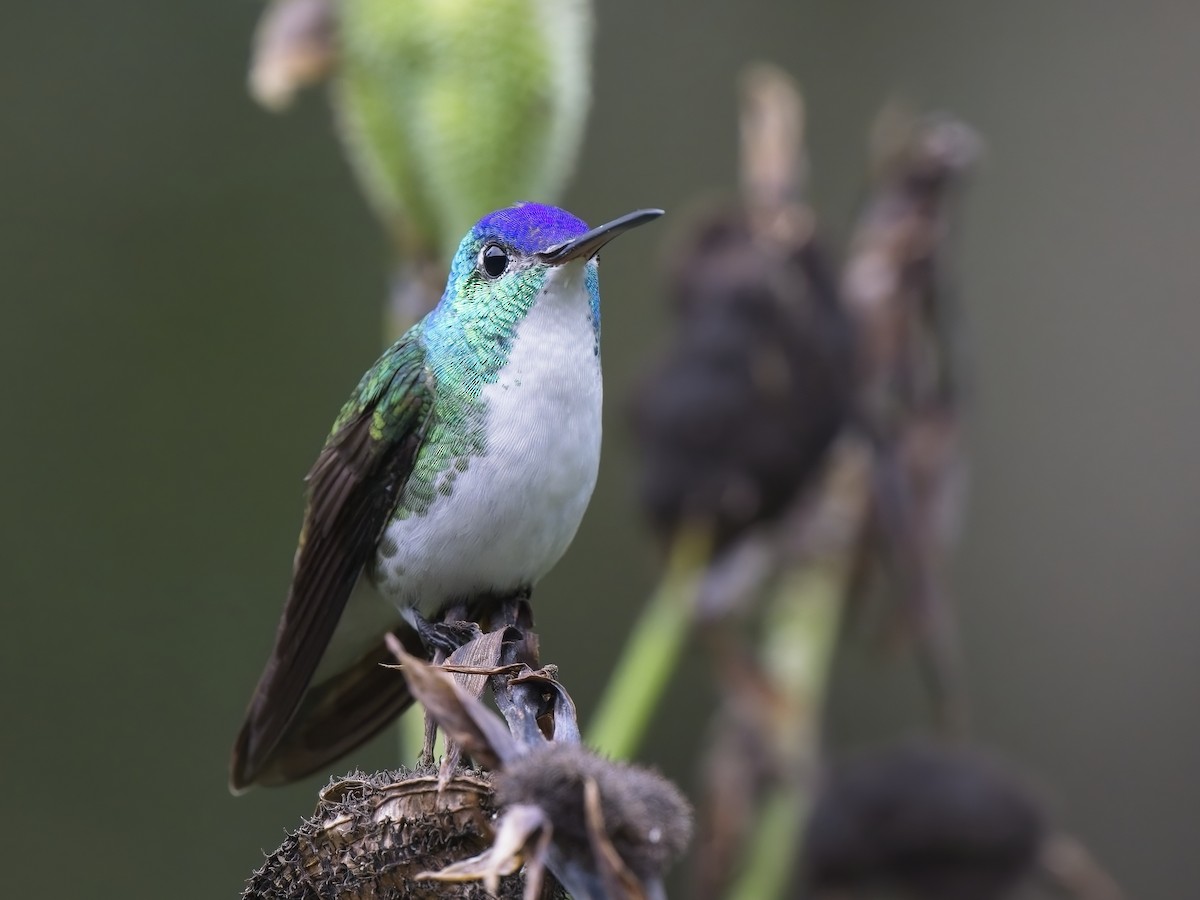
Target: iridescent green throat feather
pixel 462 346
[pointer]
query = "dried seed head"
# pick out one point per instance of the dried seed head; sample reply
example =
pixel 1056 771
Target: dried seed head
pixel 372 835
pixel 739 413
pixel 944 824
pixel 646 818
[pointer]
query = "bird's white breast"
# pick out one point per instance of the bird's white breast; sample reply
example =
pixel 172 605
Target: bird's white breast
pixel 511 515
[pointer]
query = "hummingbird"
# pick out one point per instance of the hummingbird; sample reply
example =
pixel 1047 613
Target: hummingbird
pixel 459 469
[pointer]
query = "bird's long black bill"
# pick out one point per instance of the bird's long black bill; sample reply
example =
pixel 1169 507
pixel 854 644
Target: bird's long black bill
pixel 588 244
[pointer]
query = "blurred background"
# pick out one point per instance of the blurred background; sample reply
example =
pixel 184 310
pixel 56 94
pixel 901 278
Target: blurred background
pixel 191 287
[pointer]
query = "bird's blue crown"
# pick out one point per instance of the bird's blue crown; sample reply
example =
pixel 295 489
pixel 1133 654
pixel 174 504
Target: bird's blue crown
pixel 529 227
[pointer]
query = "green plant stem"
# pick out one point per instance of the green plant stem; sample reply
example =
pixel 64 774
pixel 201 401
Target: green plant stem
pixel 800 638
pixel 802 626
pixel 651 653
pixel 773 847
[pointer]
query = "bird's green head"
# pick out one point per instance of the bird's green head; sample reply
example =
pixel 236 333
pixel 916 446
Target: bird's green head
pixel 503 263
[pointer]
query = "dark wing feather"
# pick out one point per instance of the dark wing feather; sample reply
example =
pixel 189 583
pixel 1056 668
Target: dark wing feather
pixel 352 489
pixel 341 713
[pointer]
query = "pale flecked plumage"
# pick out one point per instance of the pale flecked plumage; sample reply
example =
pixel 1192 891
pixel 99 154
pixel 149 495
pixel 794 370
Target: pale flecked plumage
pixel 512 512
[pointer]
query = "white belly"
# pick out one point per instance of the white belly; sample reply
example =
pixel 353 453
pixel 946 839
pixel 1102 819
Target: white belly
pixel 511 515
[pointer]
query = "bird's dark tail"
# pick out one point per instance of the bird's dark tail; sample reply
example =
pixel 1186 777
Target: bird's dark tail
pixel 335 717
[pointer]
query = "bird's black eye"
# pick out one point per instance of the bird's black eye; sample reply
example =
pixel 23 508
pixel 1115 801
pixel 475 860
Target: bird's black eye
pixel 494 260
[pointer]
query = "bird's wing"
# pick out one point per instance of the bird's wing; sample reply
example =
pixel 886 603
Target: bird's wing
pixel 352 490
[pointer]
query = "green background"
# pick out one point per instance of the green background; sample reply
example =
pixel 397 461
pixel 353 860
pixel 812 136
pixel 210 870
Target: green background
pixel 191 287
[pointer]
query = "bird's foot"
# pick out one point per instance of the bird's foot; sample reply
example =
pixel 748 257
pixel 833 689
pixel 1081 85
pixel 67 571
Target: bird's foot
pixel 443 638
pixel 425 758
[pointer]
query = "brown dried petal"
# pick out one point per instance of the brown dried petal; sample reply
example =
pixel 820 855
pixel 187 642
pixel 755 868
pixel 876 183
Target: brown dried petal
pixel 294 46
pixel 464 718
